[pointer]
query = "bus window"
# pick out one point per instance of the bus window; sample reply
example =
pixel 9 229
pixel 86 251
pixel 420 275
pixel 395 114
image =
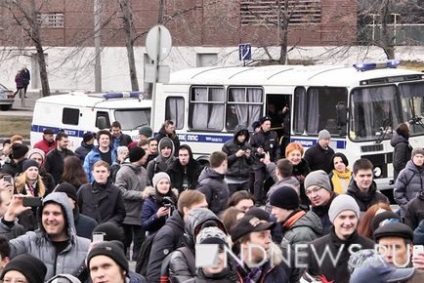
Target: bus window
pixel 175 111
pixel 412 98
pixel 244 107
pixel 299 110
pixel 321 108
pixel 373 112
pixel 207 107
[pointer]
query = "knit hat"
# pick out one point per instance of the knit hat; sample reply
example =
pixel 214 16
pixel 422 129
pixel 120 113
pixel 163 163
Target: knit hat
pixel 36 150
pixel 394 230
pixel 19 150
pixel 342 203
pixel 248 224
pixel 255 125
pixel 211 235
pixel 31 267
pixel 64 278
pixel 417 150
pixel 146 131
pixel 88 136
pixel 158 176
pixel 384 218
pixel 111 249
pixel 342 156
pixel 111 231
pixel 48 131
pixel 136 153
pixel 259 213
pixel 29 163
pixel 68 189
pixel 318 178
pixel 165 142
pixel 264 119
pixel 285 197
pixel 324 135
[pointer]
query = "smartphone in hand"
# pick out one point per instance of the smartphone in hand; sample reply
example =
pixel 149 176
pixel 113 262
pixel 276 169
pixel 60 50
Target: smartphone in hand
pixel 32 201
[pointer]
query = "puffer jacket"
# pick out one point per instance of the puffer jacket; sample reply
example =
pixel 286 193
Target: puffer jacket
pixel 304 230
pixel 401 153
pixel 408 185
pixel 179 271
pixel 160 163
pixel 40 246
pixel 214 187
pixel 366 199
pixel 92 157
pixel 415 211
pixel 238 167
pixel 132 180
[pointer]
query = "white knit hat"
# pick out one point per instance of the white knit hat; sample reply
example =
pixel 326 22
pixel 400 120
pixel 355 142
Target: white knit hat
pixel 158 177
pixel 342 203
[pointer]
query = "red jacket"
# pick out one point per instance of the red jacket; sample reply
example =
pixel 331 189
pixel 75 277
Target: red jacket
pixel 45 146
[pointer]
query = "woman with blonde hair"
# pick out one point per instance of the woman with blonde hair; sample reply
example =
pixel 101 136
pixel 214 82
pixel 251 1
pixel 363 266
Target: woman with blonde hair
pixel 29 183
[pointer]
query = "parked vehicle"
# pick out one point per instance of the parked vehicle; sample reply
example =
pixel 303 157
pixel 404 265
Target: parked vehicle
pixel 6 98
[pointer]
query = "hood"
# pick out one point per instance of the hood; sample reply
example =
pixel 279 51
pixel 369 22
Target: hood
pixel 166 140
pixel 207 172
pixel 311 220
pixel 133 167
pixel 196 219
pixel 240 129
pixel 62 200
pixel 396 139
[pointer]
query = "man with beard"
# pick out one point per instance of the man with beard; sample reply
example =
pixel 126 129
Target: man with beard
pixel 47 143
pixel 55 158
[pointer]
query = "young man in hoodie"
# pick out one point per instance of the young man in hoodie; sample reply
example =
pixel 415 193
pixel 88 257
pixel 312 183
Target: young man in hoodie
pixel 55 243
pixel 164 160
pixel 212 182
pixel 131 179
pixel 240 159
pixel 362 187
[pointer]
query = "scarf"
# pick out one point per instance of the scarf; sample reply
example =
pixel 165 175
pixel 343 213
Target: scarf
pixel 341 181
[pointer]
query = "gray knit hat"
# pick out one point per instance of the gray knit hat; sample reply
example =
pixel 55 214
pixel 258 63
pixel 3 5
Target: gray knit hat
pixel 318 178
pixel 158 176
pixel 324 135
pixel 417 150
pixel 342 203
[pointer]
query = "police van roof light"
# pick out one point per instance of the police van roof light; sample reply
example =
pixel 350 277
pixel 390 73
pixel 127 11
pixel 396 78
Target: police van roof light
pixel 132 94
pixel 372 66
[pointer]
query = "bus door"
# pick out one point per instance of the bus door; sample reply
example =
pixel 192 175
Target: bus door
pixel 278 109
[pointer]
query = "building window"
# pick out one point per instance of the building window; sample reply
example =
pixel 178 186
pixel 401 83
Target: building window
pixel 206 59
pixel 70 116
pixel 51 20
pixel 262 12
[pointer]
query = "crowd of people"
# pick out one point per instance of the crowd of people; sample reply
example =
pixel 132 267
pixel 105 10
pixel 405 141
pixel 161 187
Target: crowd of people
pixel 273 214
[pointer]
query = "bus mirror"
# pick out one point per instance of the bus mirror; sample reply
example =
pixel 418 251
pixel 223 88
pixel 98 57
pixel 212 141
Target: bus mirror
pixel 101 122
pixel 341 113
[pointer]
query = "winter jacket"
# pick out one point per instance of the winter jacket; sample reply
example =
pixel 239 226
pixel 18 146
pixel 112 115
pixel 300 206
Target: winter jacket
pixel 54 163
pixel 160 163
pixel 338 273
pixel 102 202
pixel 174 137
pixel 319 158
pixel 215 189
pixel 92 157
pixel 184 177
pixel 366 199
pixel 84 225
pixel 300 171
pixel 122 140
pixel 12 168
pixel 409 183
pixel 269 142
pixel 269 274
pixel 179 271
pixel 149 220
pixel 415 211
pixel 132 180
pixel 11 232
pixel 401 153
pixel 48 180
pixel 322 212
pixel 238 167
pixel 419 234
pixel 40 246
pixel 167 239
pixel 45 145
pixel 82 151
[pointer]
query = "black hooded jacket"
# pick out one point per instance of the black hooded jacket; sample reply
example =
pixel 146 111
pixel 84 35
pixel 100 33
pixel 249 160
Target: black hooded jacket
pixel 184 177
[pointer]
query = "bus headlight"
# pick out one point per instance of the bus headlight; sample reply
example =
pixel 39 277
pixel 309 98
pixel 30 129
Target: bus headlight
pixel 377 172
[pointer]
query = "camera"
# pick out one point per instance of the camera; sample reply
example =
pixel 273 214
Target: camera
pixel 259 155
pixel 167 202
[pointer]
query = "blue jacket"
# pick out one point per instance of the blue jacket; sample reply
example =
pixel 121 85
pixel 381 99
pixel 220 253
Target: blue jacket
pixel 149 220
pixel 92 157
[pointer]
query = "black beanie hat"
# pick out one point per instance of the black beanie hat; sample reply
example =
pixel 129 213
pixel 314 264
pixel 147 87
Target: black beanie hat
pixel 165 142
pixel 258 212
pixel 111 249
pixel 31 267
pixel 88 136
pixel 285 197
pixel 394 230
pixel 111 231
pixel 29 163
pixel 136 153
pixel 386 216
pixel 68 189
pixel 19 150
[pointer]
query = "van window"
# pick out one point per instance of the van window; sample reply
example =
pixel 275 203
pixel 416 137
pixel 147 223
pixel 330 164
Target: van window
pixel 103 114
pixel 132 119
pixel 70 116
pixel 175 111
pixel 207 107
pixel 244 107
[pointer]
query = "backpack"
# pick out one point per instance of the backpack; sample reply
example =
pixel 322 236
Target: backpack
pixel 143 255
pixel 189 257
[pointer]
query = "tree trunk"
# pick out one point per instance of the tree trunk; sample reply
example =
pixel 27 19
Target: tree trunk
pixel 43 70
pixel 386 39
pixel 283 48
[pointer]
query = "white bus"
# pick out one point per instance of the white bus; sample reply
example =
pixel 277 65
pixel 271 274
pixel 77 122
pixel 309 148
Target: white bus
pixel 359 105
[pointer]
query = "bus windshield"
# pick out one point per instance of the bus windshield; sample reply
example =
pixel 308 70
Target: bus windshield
pixel 412 95
pixel 374 113
pixel 132 119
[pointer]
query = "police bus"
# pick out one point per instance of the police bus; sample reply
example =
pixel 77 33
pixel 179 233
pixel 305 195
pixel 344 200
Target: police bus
pixel 359 105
